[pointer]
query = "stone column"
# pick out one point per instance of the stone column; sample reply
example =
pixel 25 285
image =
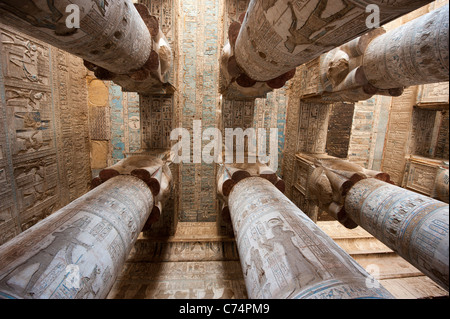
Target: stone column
pixel 111 34
pixel 118 40
pixel 278 35
pixel 415 53
pixel 285 255
pixel 78 251
pixel 413 225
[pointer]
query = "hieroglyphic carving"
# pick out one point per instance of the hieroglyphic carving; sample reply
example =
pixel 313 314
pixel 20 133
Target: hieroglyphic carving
pixel 180 280
pixel 421 178
pixel 397 135
pixel 433 95
pixel 421 135
pixel 42 89
pixel 442 142
pixel 339 129
pixel 368 131
pixel 28 109
pixel 156 117
pixel 313 127
pixel 151 250
pixel 93 234
pixel 238 113
pixel 198 84
pixel 284 254
pixel 413 225
pixel 133 130
pixel 69 84
pixel 310 80
pixel 280 35
pixel 99 126
pixel 427 176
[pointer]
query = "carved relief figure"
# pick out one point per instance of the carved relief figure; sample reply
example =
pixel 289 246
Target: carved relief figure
pixel 62 240
pixel 300 266
pixel 29 61
pixel 87 285
pixel 32 99
pixel 302 35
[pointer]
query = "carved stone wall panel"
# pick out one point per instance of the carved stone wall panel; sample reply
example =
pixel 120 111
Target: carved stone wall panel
pixel 421 178
pixel 132 122
pixel 28 111
pixel 339 129
pixel 368 131
pixel 98 100
pixel 9 223
pixel 442 143
pixel 397 136
pixel 157 113
pixel 238 114
pixel 313 127
pixel 422 127
pixel 169 251
pixel 71 113
pixel 432 95
pixel 270 113
pixel 44 149
pixel 199 47
pixel 37 189
pixel 310 82
pixel 291 132
pixel 180 280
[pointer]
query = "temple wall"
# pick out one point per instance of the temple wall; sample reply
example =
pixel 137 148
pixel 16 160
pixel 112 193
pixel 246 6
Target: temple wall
pixel 44 132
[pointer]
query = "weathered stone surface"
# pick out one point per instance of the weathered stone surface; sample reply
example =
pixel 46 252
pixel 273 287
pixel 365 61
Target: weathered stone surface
pixel 112 38
pixel 284 254
pixel 277 36
pixel 94 235
pixel 415 53
pixel 413 225
pixel 44 138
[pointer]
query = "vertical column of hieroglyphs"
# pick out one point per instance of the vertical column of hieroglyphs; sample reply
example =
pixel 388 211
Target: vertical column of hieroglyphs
pixel 339 129
pixel 157 118
pixel 71 114
pixel 292 122
pixel 30 129
pixel 99 123
pixel 117 123
pixel 133 140
pixel 368 131
pixel 9 222
pixel 157 110
pixel 313 127
pixel 398 134
pixel 199 53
